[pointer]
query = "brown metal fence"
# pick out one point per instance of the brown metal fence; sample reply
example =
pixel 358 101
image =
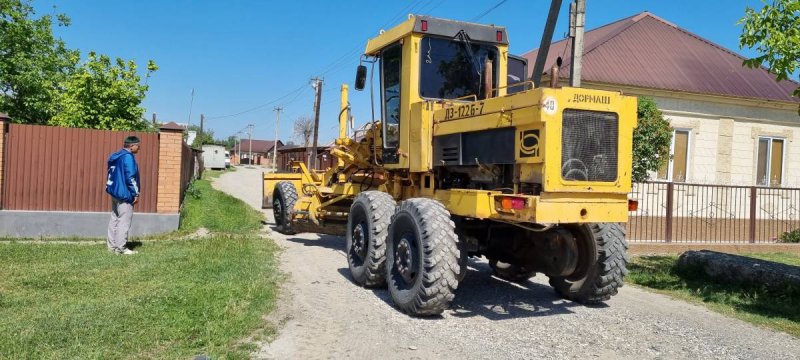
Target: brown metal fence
pixel 680 212
pixel 63 169
pixel 191 167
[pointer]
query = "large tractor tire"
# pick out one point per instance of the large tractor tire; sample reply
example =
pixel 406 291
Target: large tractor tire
pixel 367 228
pixel 283 199
pixel 510 272
pixel 596 281
pixel 422 266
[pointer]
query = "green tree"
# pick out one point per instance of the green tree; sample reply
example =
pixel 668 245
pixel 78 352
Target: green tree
pixel 652 138
pixel 205 137
pixel 102 94
pixel 33 63
pixel 774 32
pixel 230 142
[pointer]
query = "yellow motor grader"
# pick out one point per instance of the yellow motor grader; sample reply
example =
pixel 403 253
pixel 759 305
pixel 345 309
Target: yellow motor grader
pixel 468 159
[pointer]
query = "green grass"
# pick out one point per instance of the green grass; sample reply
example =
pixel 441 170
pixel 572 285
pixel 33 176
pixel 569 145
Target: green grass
pixel 779 310
pixel 175 299
pixel 217 211
pixel 786 258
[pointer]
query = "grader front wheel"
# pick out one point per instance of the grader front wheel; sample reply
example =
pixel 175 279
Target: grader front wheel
pixel 283 199
pixel 603 264
pixel 422 255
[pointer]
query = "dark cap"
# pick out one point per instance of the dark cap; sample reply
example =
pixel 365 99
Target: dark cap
pixel 130 140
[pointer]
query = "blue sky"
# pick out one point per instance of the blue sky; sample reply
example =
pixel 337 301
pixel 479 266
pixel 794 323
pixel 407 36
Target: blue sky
pixel 253 55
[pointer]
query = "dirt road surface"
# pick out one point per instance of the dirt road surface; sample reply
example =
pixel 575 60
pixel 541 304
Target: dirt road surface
pixel 324 315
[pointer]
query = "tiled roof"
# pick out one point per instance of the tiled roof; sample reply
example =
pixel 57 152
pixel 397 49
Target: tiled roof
pixel 259 146
pixel 646 51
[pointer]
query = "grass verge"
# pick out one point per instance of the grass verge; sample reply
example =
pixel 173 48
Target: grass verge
pixel 755 304
pixel 175 299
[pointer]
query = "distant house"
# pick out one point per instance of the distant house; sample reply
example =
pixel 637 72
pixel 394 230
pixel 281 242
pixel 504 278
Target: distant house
pixel 289 153
pixel 733 125
pixel 261 151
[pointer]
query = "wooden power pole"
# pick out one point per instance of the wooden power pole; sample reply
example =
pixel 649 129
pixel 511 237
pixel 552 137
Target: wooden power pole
pixel 317 100
pixel 278 110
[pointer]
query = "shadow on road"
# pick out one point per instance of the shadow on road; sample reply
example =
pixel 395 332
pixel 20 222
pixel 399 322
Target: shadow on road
pixel 481 294
pixel 326 241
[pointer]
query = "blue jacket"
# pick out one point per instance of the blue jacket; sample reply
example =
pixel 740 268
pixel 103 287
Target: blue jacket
pixel 123 176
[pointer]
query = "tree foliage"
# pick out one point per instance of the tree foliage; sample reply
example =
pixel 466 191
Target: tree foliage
pixel 205 137
pixel 102 94
pixel 652 138
pixel 43 82
pixel 33 63
pixel 303 129
pixel 774 32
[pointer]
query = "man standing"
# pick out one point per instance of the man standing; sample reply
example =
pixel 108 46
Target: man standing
pixel 124 187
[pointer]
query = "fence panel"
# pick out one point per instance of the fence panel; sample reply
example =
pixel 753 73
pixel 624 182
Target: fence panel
pixel 190 167
pixel 681 212
pixel 63 169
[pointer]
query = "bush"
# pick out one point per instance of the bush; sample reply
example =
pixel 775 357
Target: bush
pixel 791 236
pixel 652 138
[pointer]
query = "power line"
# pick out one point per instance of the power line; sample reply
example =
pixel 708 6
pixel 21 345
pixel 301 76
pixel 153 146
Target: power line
pixel 260 106
pixel 488 11
pixel 336 64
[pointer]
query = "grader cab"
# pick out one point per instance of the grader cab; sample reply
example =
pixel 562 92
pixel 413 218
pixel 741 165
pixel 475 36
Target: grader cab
pixel 469 160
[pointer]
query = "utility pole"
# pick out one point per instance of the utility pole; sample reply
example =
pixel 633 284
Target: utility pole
pixel 250 145
pixel 202 121
pixel 191 102
pixel 577 21
pixel 278 110
pixel 317 84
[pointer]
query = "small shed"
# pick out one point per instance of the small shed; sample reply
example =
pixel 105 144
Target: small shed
pixel 214 156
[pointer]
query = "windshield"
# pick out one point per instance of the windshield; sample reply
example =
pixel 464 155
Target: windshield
pixel 448 71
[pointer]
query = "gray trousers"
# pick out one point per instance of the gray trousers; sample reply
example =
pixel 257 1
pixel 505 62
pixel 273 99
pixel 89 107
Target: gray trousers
pixel 120 224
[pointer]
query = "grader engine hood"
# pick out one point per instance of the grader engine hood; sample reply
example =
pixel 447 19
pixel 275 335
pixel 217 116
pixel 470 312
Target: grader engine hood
pixel 567 139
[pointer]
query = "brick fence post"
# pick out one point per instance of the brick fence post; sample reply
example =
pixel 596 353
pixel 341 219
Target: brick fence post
pixel 4 119
pixel 170 139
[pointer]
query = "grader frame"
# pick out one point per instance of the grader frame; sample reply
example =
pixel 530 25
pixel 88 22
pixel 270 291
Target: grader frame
pixel 535 180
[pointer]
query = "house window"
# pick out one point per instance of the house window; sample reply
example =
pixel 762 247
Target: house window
pixel 769 170
pixel 677 166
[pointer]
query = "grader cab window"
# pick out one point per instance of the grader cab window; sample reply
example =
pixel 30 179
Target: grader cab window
pixel 453 68
pixel 390 95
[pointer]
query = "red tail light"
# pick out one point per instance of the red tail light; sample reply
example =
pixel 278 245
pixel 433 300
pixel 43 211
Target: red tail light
pixel 499 36
pixel 508 203
pixel 633 205
pixel 424 25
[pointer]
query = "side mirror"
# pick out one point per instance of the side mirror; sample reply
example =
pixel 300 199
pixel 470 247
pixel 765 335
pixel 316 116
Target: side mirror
pixel 361 77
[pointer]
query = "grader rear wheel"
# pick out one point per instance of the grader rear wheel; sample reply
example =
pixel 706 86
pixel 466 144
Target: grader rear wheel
pixel 602 264
pixel 367 228
pixel 422 257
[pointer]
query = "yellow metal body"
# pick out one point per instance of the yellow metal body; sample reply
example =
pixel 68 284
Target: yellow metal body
pixel 421 120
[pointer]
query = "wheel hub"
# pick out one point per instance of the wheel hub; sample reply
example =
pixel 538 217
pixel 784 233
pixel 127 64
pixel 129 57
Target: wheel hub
pixel 359 241
pixel 404 260
pixel 277 211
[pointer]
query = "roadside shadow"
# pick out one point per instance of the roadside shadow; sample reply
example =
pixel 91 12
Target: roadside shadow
pixel 481 294
pixel 326 241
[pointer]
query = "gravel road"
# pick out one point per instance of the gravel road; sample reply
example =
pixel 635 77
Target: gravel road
pixel 323 315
